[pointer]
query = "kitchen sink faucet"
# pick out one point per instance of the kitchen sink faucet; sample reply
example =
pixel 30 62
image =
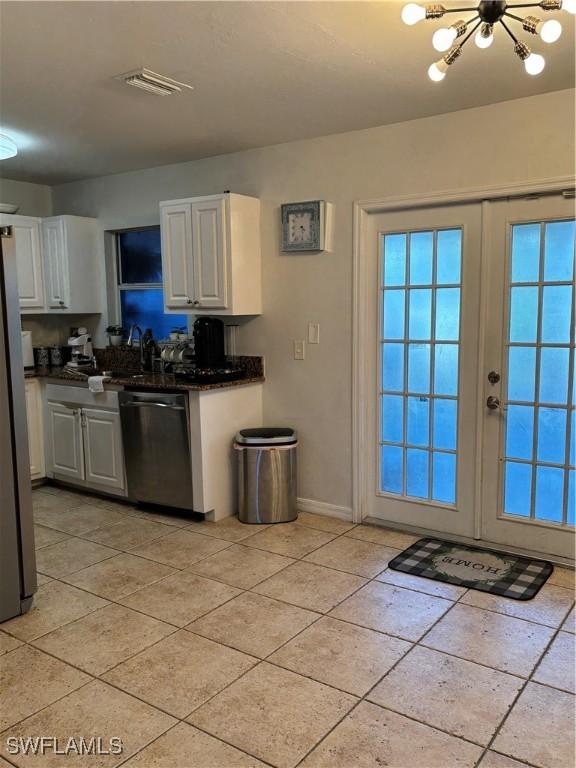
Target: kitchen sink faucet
pixel 130 342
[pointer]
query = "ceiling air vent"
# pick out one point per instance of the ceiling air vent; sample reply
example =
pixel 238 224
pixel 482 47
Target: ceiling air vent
pixel 153 82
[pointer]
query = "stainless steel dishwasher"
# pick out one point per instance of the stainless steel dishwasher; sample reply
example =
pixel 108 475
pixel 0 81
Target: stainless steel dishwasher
pixel 156 440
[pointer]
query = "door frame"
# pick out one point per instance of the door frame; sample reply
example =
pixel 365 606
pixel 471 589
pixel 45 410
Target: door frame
pixel 361 389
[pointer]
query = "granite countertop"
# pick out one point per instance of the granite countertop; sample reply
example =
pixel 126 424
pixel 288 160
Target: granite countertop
pixel 144 381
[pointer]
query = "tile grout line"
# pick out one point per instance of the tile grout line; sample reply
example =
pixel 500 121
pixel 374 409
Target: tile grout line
pixel 527 681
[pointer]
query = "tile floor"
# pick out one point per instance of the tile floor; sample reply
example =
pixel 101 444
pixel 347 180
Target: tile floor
pixel 208 645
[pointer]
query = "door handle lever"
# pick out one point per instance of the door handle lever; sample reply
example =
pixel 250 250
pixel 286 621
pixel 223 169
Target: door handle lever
pixel 492 402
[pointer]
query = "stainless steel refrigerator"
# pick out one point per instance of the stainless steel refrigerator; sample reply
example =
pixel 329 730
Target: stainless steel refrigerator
pixel 17 558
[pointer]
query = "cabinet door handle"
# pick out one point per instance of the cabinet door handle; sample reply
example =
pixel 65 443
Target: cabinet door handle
pixel 196 303
pixel 61 303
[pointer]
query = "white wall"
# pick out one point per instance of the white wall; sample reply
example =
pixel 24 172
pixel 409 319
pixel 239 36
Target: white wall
pixel 33 199
pixel 514 141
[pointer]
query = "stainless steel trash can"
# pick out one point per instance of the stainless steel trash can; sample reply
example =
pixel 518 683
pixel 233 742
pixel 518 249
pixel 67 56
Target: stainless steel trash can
pixel 266 475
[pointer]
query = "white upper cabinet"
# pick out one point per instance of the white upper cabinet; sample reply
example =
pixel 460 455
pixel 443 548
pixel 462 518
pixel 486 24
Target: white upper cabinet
pixel 27 237
pixel 55 259
pixel 58 265
pixel 73 272
pixel 211 255
pixel 177 270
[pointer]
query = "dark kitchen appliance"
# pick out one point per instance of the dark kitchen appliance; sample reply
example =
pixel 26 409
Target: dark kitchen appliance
pixel 209 342
pixel 157 448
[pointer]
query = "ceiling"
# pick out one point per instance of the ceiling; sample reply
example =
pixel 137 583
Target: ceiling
pixel 263 73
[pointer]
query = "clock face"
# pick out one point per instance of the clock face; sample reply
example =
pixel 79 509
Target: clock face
pixel 300 227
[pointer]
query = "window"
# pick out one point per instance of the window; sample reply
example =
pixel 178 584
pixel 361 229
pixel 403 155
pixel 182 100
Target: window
pixel 139 270
pixel 419 348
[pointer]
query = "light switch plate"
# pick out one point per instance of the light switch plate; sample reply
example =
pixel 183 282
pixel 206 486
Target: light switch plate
pixel 313 333
pixel 299 349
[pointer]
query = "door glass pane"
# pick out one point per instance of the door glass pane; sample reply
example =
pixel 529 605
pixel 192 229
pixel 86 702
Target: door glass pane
pixel 392 418
pixel 417 473
pixel 448 256
pixel 447 314
pixel 418 420
pixel 444 477
pixel 430 342
pixel 517 489
pixel 524 314
pixel 393 315
pixel 519 431
pixel 393 367
pixel 556 303
pixel 554 374
pixel 420 314
pixel 525 253
pixel 391 473
pixel 559 250
pixel 446 369
pixel 445 418
pixel 395 260
pixel 421 256
pixel 521 373
pixel 551 435
pixel 539 424
pixel 419 368
pixel 549 493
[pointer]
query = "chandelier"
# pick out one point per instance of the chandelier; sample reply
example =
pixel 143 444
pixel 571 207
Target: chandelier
pixel 488 13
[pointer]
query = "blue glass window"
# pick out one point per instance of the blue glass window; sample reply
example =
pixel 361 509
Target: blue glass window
pixel 140 256
pixel 140 263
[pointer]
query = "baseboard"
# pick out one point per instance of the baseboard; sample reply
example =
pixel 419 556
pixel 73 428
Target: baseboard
pixel 322 508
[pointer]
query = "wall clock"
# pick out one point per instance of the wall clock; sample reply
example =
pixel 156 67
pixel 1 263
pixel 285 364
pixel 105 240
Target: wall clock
pixel 303 226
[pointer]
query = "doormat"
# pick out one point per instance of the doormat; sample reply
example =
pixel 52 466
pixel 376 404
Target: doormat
pixel 519 578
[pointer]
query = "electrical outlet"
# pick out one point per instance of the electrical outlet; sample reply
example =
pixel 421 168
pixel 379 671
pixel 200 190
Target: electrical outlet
pixel 313 333
pixel 299 349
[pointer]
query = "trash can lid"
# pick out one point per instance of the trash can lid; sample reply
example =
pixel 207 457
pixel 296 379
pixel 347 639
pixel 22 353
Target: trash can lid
pixel 266 436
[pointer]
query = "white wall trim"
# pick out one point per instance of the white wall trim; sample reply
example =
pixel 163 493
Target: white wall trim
pixel 322 508
pixel 362 211
pixel 468 195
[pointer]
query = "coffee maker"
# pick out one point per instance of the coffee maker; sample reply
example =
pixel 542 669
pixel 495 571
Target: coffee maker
pixel 80 343
pixel 209 342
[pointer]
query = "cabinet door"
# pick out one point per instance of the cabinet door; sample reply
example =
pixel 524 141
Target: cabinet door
pixel 56 261
pixel 27 237
pixel 35 434
pixel 103 447
pixel 65 441
pixel 209 254
pixel 176 228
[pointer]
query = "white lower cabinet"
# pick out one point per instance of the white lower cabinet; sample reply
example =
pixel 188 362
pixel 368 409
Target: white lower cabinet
pixel 66 443
pixel 35 430
pixel 84 439
pixel 103 460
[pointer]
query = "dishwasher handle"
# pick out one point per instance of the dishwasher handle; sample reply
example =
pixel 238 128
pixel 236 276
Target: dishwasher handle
pixel 148 404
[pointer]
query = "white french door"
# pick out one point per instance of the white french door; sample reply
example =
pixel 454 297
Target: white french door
pixel 425 265
pixel 470 426
pixel 528 489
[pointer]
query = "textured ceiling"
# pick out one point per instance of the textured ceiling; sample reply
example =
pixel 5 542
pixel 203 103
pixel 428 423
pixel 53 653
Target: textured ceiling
pixel 263 73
